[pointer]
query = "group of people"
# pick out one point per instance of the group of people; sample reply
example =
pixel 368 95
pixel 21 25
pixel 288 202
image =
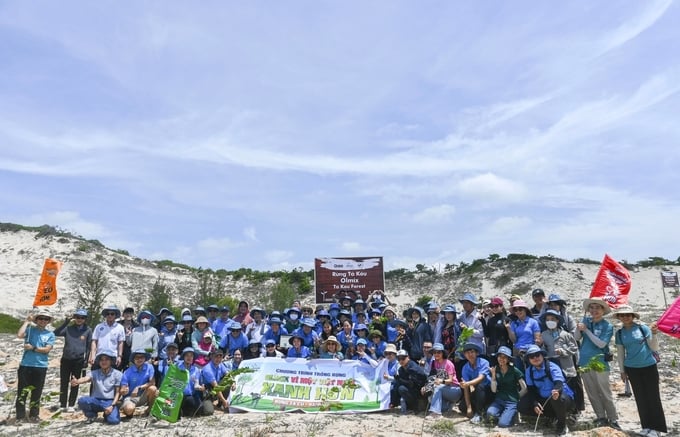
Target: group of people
pixel 489 360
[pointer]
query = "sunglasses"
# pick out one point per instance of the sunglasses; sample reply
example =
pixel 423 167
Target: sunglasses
pixel 401 358
pixel 110 314
pixel 79 318
pixel 496 306
pixel 271 345
pixel 42 319
pixel 532 356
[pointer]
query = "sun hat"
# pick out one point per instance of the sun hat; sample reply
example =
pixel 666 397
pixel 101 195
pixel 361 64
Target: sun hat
pixel 107 353
pixel 308 321
pixel 449 308
pixel 410 311
pixel 555 298
pixel 469 297
pixel 269 341
pixel 402 353
pixel 187 350
pixel 254 341
pixel 169 319
pixel 332 339
pixel 390 348
pixel 146 313
pixel 345 312
pixel 199 309
pixel 504 350
pixel 533 349
pixel 432 307
pixel 376 333
pixel 515 297
pixel 322 313
pixel 213 307
pixel 275 313
pixel 520 304
pixel 110 308
pixel 207 334
pixel 601 302
pixel 140 352
pixel 438 347
pixel 187 318
pixel 496 301
pixel 362 341
pixel 359 327
pixel 373 311
pixel 201 319
pixel 625 309
pixel 361 302
pixel 472 346
pixel 160 313
pixel 80 312
pixel 486 302
pixel 274 320
pixel 389 308
pixel 399 322
pixel 294 336
pixel 257 310
pixel 225 309
pixel 172 345
pixel 235 326
pixel 553 313
pixel 43 312
pixel 128 310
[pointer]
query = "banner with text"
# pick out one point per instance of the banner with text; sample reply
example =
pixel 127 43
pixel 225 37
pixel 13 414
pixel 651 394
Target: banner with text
pixel 353 277
pixel 295 384
pixel 670 280
pixel 612 283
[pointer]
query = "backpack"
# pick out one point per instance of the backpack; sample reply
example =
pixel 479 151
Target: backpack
pixel 655 354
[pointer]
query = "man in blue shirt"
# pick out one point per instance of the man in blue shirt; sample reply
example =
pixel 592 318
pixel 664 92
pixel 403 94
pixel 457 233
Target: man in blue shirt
pixel 105 389
pixel 475 374
pixel 138 385
pixel 548 392
pixel 212 373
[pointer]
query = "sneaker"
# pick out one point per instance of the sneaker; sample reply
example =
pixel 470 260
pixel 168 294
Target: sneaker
pixel 403 409
pixel 644 432
pixel 433 416
pixel 563 431
pixel 476 419
pixel 614 424
pixel 70 410
pixel 652 433
pixel 89 420
pixel 600 421
pixel 625 394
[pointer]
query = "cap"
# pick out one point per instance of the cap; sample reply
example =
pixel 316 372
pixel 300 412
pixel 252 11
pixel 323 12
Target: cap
pixel 538 292
pixel 402 353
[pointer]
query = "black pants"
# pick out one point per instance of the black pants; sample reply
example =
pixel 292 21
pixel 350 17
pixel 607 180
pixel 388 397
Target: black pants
pixel 645 384
pixel 30 377
pixel 557 408
pixel 68 368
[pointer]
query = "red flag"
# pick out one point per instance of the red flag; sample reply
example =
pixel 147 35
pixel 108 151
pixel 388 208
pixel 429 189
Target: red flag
pixel 612 283
pixel 669 323
pixel 46 294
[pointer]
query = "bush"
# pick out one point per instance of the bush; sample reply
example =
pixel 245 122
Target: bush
pixel 281 296
pixel 423 300
pixel 9 324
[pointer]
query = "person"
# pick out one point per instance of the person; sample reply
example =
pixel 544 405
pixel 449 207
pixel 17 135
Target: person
pixel 555 302
pixel 444 384
pixel 257 329
pixel 346 336
pixel 410 378
pixel 77 338
pixel 185 333
pixel 138 384
pixel 495 331
pixel 435 321
pixel 243 316
pixel 538 296
pixel 523 332
pixel 507 382
pixel 105 385
pixel 211 375
pixel 476 374
pixel 145 336
pixel 166 335
pixel 192 401
pixel 331 349
pixel 310 338
pixel 270 349
pixel 428 357
pixel 38 342
pixel 171 358
pixel 469 318
pixel 236 359
pixel 293 317
pixel 594 333
pixel 254 350
pixel 548 392
pixel 562 349
pixel 213 309
pixel 376 344
pixel 392 363
pixel 362 353
pixel 390 314
pixel 235 341
pixel 128 323
pixel 635 345
pixel 298 350
pixel 109 336
pixel 221 325
pixel 204 348
pixel 403 341
pixel 449 330
pixel 274 332
pixel 419 333
pixel 201 326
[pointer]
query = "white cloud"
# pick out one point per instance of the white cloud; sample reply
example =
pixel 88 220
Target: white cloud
pixel 435 214
pixel 509 224
pixel 350 246
pixel 488 187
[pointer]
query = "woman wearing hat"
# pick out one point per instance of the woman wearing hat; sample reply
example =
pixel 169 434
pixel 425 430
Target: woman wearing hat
pixel 346 336
pixel 77 338
pixel 443 383
pixel 275 330
pixel 420 333
pixel 331 349
pixel 391 332
pixel 449 330
pixel 523 332
pixel 258 327
pixel 38 342
pixel 555 302
pixel 166 335
pixel 376 344
pixel 201 326
pixel 594 333
pixel 254 350
pixel 235 341
pixel 635 344
pixel 403 341
pixel 293 317
pixel 507 382
pixel 144 336
pixel 298 350
pixel 362 353
pixel 495 331
pixel 185 332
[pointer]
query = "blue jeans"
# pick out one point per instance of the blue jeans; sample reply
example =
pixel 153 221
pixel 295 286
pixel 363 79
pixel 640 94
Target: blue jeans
pixel 503 410
pixel 91 406
pixel 444 398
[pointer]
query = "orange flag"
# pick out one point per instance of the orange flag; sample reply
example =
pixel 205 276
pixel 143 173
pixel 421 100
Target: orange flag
pixel 47 287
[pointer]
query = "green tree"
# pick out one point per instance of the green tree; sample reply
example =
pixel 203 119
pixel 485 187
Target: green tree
pixel 423 300
pixel 281 296
pixel 305 285
pixel 159 297
pixel 210 288
pixel 91 289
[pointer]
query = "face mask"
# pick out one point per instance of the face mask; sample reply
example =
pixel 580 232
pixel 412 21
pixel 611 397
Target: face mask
pixel 293 316
pixel 334 313
pixel 551 324
pixel 146 321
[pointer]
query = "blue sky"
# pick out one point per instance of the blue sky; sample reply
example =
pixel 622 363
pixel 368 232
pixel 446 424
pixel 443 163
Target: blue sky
pixel 265 134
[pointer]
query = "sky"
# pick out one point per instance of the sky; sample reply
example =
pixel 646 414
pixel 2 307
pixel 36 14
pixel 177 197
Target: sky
pixel 267 134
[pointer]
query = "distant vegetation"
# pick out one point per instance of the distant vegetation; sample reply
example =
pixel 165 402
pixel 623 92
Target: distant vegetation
pixel 9 324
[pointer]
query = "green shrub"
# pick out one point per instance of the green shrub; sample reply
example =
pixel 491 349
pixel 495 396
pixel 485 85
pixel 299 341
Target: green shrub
pixel 9 324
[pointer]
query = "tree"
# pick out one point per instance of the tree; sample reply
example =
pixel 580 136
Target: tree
pixel 91 287
pixel 210 288
pixel 281 296
pixel 159 297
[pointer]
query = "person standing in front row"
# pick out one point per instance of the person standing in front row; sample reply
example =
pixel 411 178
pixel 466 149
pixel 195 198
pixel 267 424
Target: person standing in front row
pixel 77 338
pixel 635 344
pixel 38 342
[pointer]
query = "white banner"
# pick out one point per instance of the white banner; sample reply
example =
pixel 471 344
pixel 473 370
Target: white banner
pixel 295 384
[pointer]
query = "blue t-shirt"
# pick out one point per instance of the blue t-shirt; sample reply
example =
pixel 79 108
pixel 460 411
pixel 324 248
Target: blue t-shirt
pixel 602 330
pixel 104 385
pixel 481 367
pixel 134 377
pixel 545 383
pixel 213 373
pixel 307 339
pixel 229 344
pixel 194 378
pixel 524 331
pixel 304 352
pixel 38 338
pixel 634 341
